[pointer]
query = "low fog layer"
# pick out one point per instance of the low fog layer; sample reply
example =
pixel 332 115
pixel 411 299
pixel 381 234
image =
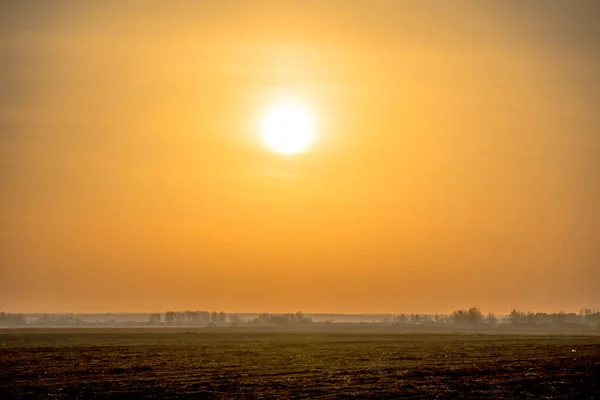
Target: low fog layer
pixel 586 319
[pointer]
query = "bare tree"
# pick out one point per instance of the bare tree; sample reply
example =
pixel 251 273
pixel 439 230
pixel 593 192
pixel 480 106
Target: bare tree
pixel 471 316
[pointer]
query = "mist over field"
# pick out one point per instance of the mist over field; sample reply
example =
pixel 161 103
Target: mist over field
pixel 472 319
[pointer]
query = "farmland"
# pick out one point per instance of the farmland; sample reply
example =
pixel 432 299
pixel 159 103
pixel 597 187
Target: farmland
pixel 299 363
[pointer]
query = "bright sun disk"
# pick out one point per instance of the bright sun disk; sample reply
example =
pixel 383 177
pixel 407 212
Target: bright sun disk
pixel 287 128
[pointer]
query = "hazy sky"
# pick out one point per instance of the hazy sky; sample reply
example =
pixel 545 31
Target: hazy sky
pixel 457 160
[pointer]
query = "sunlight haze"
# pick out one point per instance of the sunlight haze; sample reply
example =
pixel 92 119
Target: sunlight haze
pixel 436 156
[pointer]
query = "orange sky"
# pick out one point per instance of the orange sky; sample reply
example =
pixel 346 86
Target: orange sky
pixel 456 161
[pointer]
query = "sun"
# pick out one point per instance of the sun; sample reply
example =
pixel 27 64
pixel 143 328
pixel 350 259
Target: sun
pixel 288 128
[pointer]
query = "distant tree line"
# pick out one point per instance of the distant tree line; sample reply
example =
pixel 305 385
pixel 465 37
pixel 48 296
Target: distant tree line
pixel 46 319
pixel 470 316
pixel 403 319
pixel 187 317
pixel 282 319
pixel 473 316
pixel 201 317
pixel 586 316
pixel 12 319
pixel 66 319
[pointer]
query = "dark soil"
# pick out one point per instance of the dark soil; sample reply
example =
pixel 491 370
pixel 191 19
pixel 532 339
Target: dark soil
pixel 255 363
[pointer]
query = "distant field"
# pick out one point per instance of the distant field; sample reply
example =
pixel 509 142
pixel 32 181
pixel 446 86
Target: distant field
pixel 311 363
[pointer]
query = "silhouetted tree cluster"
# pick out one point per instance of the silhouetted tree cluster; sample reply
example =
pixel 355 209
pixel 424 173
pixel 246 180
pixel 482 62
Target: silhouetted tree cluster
pixel 400 319
pixel 197 317
pixel 235 319
pixel 222 318
pixel 154 319
pixel 282 319
pixel 589 316
pixel 586 316
pixel 491 319
pixel 403 319
pixel 471 316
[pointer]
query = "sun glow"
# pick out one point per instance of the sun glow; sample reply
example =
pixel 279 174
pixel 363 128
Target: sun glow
pixel 288 128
